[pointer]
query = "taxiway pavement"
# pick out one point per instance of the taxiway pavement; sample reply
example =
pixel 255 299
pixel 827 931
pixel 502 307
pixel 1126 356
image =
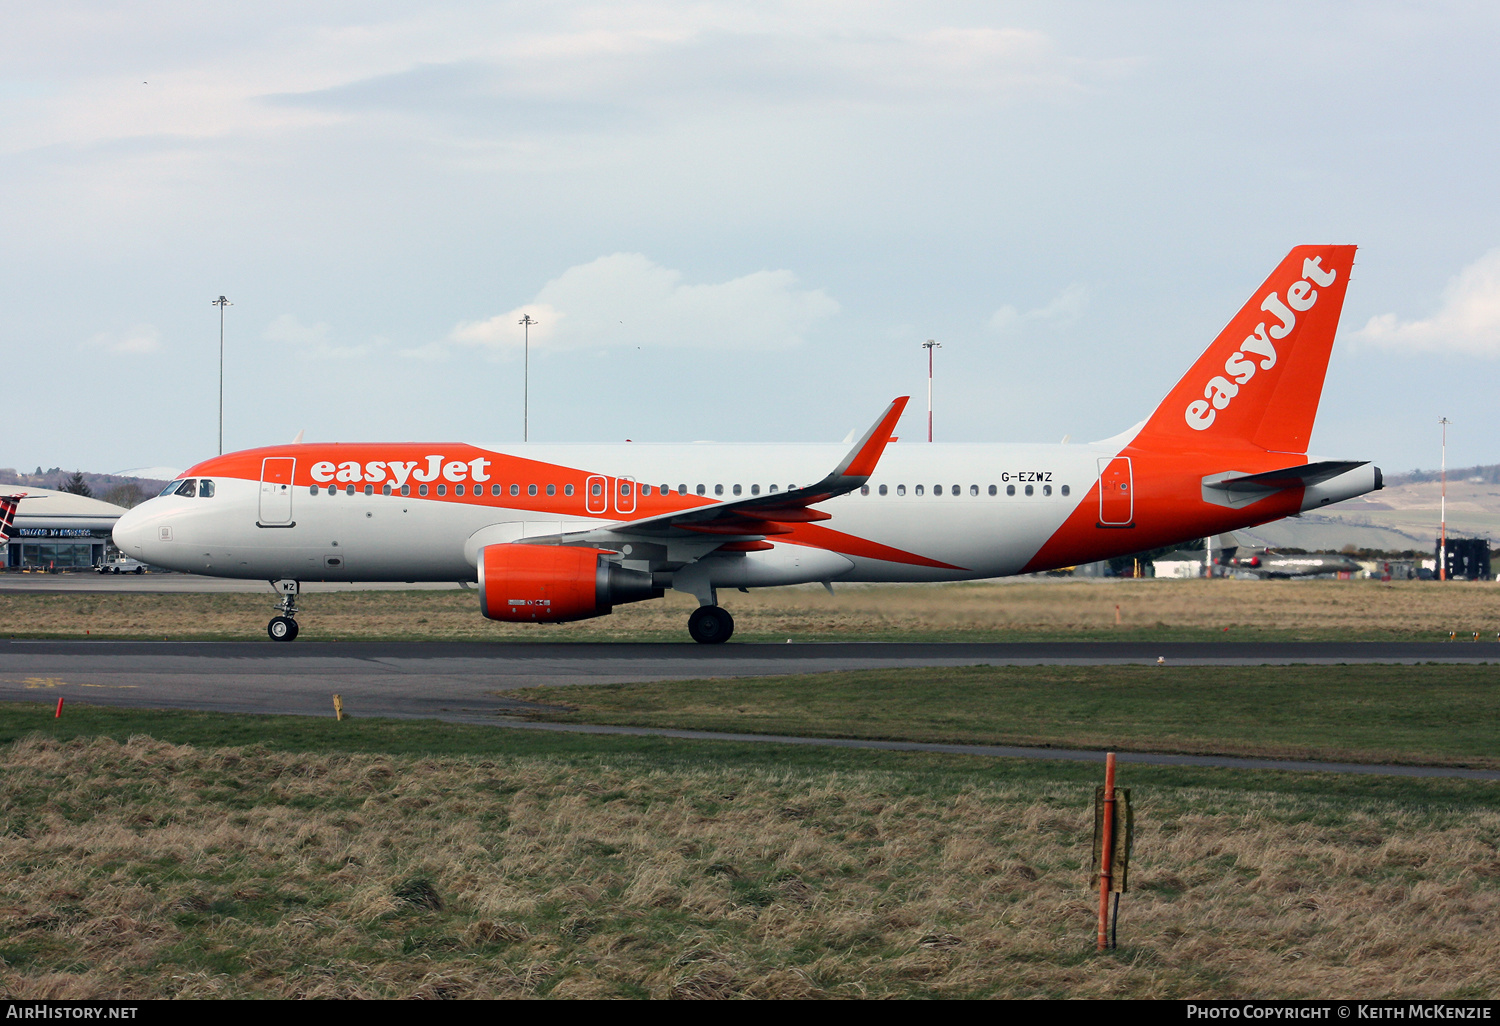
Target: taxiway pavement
pixel 469 681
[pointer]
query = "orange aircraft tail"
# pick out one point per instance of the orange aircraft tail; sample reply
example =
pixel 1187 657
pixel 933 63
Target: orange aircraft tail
pixel 1259 383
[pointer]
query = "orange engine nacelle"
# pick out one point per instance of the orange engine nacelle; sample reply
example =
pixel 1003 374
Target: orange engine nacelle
pixel 554 583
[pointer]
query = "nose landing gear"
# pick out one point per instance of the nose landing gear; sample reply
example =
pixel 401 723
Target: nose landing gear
pixel 284 627
pixel 710 625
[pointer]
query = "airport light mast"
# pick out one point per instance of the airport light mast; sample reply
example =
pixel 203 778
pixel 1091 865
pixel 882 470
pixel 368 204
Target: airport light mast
pixel 930 345
pixel 221 303
pixel 1443 509
pixel 526 322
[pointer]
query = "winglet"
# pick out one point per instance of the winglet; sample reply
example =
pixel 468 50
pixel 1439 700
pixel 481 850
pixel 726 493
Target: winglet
pixel 866 453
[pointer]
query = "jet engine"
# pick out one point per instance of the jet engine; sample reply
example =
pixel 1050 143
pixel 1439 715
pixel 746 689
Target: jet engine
pixel 555 583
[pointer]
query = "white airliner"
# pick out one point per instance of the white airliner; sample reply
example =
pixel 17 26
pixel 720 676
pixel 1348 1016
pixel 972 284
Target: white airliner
pixel 552 533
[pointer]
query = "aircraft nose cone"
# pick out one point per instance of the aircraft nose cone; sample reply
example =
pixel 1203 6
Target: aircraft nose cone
pixel 130 533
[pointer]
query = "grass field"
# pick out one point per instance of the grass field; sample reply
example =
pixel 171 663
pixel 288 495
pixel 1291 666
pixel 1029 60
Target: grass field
pixel 1432 715
pixel 161 855
pixel 1013 610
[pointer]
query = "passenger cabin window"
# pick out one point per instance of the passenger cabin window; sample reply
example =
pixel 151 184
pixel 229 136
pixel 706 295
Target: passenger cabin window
pixel 369 489
pixel 755 489
pixel 1065 489
pixel 919 490
pixel 594 489
pixel 624 487
pixel 515 489
pixel 442 489
pixel 385 489
pixel 957 490
pixel 188 489
pixel 937 489
pixel 1010 489
pixel 205 489
pixel 1030 490
pixel 864 489
pixel 702 490
pixel 567 489
pixel 552 489
pixel 458 489
pixel 901 489
pixel 992 489
pixel 531 489
pixel 406 489
pixel 421 489
pixel 313 490
pixel 1046 489
pixel 736 489
pixel 718 489
pixel 773 488
pixel 882 489
pixel 349 489
pixel 645 489
pixel 973 489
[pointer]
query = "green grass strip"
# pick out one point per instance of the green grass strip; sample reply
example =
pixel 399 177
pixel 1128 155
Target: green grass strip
pixel 1423 715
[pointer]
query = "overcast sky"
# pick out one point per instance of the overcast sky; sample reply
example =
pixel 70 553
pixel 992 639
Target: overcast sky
pixel 732 221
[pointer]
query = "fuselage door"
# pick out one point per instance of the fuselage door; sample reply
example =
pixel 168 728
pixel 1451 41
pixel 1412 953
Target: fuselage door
pixel 596 494
pixel 1116 493
pixel 276 490
pixel 625 494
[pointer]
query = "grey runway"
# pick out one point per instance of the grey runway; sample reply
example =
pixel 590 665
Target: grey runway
pixel 169 584
pixel 468 681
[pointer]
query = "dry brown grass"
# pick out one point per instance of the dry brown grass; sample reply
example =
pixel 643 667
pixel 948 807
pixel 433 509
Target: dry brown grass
pixel 145 869
pixel 984 611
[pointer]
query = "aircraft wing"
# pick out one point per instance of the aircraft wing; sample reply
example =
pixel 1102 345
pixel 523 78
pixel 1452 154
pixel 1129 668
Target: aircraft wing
pixel 761 515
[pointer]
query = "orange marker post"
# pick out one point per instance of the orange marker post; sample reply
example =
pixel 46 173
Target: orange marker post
pixel 1106 852
pixel 58 715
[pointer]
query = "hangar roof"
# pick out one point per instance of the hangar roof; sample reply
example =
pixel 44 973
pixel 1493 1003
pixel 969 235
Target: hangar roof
pixel 45 506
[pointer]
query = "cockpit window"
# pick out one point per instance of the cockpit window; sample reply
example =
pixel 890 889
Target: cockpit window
pixel 188 489
pixel 205 489
pixel 170 488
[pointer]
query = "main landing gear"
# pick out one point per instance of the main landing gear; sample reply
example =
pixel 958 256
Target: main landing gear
pixel 710 625
pixel 284 627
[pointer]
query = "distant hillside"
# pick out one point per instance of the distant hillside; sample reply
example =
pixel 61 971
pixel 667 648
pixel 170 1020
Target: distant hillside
pixel 1487 474
pixel 122 491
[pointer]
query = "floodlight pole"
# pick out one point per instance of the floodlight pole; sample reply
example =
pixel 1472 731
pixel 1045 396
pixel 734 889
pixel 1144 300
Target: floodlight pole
pixel 221 303
pixel 526 322
pixel 930 345
pixel 1443 507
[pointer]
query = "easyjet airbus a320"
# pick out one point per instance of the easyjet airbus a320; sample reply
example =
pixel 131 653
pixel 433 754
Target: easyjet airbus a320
pixel 553 533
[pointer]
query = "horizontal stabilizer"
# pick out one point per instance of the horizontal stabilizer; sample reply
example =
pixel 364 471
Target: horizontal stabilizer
pixel 1235 489
pixel 1290 477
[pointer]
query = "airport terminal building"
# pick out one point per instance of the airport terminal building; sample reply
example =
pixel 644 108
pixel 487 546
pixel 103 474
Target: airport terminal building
pixel 61 531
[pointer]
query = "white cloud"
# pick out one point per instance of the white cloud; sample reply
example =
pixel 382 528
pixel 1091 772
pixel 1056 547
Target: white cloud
pixel 1468 321
pixel 627 300
pixel 1064 310
pixel 141 340
pixel 310 341
pixel 145 76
